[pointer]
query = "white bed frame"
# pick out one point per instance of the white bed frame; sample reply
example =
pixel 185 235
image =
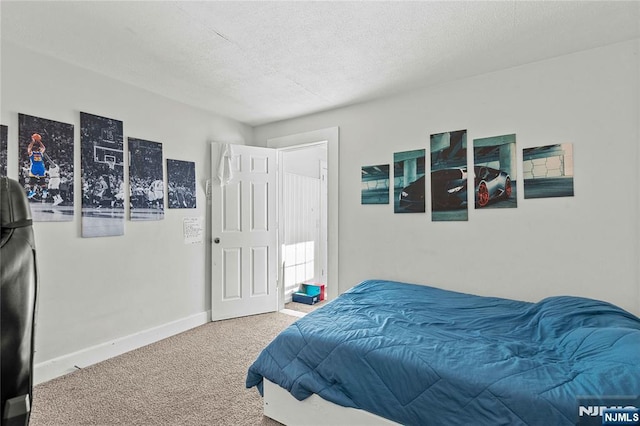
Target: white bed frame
pixel 281 406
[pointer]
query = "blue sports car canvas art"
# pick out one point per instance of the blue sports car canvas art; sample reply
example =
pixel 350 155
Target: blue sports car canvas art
pixel 449 188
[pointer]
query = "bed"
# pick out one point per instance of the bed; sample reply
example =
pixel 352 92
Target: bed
pixel 419 355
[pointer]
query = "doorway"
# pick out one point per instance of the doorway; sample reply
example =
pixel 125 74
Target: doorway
pixel 302 216
pixel 330 138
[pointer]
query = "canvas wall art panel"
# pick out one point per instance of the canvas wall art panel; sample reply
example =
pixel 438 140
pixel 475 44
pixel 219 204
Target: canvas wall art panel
pixel 181 176
pixel 449 176
pixel 102 162
pixel 409 181
pixel 548 171
pixel 46 167
pixel 375 184
pixel 495 172
pixel 4 138
pixel 146 180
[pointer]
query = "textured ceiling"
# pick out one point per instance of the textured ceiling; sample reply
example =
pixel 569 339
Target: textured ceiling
pixel 259 62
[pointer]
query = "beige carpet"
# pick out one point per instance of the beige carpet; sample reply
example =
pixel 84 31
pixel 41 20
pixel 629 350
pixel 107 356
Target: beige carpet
pixel 194 378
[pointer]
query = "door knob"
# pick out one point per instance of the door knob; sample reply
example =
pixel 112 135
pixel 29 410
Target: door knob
pixel 216 240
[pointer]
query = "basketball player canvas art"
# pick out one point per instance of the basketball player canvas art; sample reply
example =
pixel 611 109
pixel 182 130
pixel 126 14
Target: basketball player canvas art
pixel 102 161
pixel 4 137
pixel 45 168
pixel 181 176
pixel 146 180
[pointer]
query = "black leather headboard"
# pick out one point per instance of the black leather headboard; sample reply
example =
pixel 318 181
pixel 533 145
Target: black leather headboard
pixel 19 280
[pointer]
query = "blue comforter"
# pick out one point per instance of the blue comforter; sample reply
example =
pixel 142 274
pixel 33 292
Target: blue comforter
pixel 420 355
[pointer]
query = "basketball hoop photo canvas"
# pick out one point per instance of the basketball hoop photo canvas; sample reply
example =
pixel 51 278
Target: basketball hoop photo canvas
pixel 102 162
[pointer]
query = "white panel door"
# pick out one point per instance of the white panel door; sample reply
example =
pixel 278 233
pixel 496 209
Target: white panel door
pixel 244 233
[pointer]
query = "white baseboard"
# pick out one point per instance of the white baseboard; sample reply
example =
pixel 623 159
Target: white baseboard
pixel 47 370
pixel 292 312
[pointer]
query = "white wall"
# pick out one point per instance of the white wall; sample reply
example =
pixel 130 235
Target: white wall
pixel 97 290
pixel 583 245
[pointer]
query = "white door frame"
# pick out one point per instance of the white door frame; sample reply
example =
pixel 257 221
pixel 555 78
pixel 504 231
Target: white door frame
pixel 324 213
pixel 331 136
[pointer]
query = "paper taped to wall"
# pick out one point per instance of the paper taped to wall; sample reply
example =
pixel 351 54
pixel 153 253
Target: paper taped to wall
pixel 193 230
